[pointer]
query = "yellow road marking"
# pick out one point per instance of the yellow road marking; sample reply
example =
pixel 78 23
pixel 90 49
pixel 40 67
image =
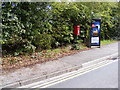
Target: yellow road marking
pixel 74 76
pixel 44 85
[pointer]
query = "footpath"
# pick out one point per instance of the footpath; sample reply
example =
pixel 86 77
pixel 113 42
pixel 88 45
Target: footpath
pixel 38 72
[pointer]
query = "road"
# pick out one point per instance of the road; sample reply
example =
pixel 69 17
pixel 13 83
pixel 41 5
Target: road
pixel 99 75
pixel 104 77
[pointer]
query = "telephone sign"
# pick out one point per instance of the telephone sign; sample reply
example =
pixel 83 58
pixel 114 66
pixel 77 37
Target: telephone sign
pixel 95 33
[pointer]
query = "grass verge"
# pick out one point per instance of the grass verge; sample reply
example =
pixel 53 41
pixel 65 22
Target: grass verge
pixel 11 63
pixel 105 42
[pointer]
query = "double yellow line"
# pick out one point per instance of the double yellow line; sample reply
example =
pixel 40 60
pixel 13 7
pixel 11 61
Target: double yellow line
pixel 73 75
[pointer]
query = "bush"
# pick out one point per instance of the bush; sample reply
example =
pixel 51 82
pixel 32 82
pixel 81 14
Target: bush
pixel 18 48
pixel 76 44
pixel 43 41
pixel 44 25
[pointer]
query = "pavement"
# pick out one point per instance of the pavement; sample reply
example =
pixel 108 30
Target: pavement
pixel 38 72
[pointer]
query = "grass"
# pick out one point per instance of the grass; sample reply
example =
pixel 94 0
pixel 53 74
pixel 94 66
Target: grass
pixel 12 60
pixel 105 42
pixel 54 52
pixel 82 46
pixel 44 56
pixel 50 53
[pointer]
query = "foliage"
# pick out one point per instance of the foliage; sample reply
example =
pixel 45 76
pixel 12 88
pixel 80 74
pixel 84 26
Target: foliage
pixel 12 60
pixel 43 41
pixel 105 42
pixel 27 26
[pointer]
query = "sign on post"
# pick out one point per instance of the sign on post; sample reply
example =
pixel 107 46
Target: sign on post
pixel 95 32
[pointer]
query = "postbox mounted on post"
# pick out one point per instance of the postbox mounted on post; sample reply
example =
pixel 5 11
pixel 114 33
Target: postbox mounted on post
pixel 95 32
pixel 76 33
pixel 76 30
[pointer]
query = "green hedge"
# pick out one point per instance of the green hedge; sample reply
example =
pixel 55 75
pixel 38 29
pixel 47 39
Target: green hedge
pixel 27 26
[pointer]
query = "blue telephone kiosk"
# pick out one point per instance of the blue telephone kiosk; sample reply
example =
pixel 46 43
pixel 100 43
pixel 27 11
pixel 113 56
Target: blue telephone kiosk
pixel 95 32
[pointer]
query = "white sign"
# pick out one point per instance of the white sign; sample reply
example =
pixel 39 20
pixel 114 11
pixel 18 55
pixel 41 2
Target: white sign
pixel 95 40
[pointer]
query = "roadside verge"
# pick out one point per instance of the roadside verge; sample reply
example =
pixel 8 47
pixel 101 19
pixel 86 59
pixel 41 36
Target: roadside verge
pixel 70 69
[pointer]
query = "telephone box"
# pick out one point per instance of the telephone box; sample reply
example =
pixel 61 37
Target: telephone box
pixel 95 32
pixel 76 30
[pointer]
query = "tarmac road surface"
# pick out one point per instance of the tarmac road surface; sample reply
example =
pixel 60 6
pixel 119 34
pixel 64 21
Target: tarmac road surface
pixel 104 77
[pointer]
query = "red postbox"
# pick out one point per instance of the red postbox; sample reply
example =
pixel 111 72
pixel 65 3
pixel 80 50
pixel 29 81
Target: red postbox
pixel 77 30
